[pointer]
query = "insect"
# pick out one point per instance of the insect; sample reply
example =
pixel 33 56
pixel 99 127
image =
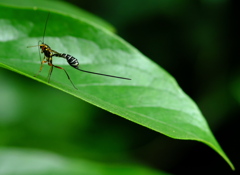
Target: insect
pixel 50 53
pixel 74 63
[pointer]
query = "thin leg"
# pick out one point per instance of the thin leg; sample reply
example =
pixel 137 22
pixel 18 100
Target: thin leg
pixel 50 72
pixel 42 62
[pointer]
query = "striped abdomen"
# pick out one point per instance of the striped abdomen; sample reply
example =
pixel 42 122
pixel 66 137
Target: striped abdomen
pixel 71 60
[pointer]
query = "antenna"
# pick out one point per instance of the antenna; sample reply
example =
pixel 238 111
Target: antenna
pixel 45 27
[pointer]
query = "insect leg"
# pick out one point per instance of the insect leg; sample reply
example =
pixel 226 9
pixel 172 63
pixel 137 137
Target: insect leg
pixel 50 71
pixel 50 64
pixel 42 62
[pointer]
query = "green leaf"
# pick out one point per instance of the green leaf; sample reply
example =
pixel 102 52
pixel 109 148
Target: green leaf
pixel 35 162
pixel 152 98
pixel 60 7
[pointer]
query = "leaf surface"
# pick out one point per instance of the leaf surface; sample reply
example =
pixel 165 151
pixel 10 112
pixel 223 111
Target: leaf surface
pixel 152 98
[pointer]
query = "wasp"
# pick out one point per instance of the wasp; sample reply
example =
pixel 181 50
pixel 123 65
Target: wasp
pixel 72 61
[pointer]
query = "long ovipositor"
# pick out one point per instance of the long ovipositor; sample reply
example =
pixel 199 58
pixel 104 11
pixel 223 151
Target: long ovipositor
pixel 72 61
pixel 50 53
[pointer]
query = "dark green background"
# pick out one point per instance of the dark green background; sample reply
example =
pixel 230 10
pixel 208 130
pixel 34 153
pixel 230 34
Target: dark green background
pixel 194 40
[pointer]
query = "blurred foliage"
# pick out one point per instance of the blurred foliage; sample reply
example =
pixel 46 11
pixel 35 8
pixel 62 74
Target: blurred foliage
pixel 30 162
pixel 193 40
pixel 60 7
